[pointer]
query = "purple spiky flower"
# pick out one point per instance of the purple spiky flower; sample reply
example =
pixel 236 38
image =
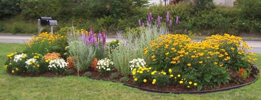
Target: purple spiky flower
pixel 158 20
pixel 167 17
pixel 170 23
pixel 177 20
pixel 104 36
pixel 139 22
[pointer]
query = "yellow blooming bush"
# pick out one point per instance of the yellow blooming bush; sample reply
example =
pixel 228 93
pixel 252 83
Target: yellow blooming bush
pixel 205 63
pixel 46 43
pixel 19 63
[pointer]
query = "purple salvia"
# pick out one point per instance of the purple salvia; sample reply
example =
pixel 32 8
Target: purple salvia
pixel 149 18
pixel 92 38
pixel 104 36
pixel 177 20
pixel 143 25
pixel 139 22
pixel 159 18
pixel 99 38
pixel 167 17
pixel 170 23
pixel 87 40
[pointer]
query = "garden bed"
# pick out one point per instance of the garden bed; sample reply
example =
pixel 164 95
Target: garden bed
pixel 177 89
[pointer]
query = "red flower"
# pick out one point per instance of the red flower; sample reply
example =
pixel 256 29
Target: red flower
pixel 241 71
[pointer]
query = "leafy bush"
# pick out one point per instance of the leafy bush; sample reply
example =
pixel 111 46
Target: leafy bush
pixel 9 8
pixel 81 50
pixel 174 58
pixel 124 79
pixel 115 75
pixel 251 9
pixel 87 74
pixel 83 54
pixel 19 63
pixel 204 4
pixel 46 43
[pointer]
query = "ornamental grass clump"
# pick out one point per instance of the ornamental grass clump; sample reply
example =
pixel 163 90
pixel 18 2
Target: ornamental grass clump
pixel 132 47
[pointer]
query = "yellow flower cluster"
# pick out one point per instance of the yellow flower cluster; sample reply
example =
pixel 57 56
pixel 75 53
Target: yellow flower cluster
pixel 140 70
pixel 45 37
pixel 175 49
pixel 82 31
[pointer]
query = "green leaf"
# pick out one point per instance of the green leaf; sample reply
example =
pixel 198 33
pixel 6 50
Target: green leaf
pixel 207 77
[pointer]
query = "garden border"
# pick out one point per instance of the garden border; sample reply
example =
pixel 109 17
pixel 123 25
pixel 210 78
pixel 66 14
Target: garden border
pixel 175 92
pixel 192 92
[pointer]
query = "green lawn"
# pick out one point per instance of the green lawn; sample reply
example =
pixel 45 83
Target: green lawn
pixel 72 87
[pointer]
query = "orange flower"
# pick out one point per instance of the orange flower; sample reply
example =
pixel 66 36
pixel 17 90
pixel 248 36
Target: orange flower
pixel 241 71
pixel 70 61
pixel 53 55
pixel 94 63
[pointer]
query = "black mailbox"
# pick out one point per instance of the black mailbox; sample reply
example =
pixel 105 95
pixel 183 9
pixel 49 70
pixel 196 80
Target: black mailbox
pixel 45 20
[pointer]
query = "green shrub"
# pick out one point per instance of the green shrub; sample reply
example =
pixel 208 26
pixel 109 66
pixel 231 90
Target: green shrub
pixel 9 8
pixel 115 75
pixel 69 71
pixel 251 9
pixel 46 43
pixel 204 63
pixel 83 51
pixel 84 54
pixel 87 74
pixel 18 63
pixel 124 79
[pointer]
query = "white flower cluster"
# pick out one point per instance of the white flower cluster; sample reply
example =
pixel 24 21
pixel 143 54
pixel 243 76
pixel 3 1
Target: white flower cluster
pixel 57 63
pixel 136 63
pixel 19 57
pixel 105 64
pixel 29 62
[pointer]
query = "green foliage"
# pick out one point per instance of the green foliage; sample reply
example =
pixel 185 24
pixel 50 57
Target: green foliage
pixel 84 54
pixel 69 71
pixel 47 44
pixel 133 47
pixel 124 79
pixel 9 8
pixel 251 9
pixel 161 79
pixel 87 74
pixel 15 67
pixel 115 75
pixel 204 4
pixel 19 63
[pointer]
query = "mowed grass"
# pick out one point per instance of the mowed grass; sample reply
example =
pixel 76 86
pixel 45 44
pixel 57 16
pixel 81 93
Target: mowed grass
pixel 74 88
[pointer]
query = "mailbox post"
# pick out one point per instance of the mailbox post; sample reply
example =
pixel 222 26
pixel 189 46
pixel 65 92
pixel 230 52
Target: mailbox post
pixel 44 21
pixel 52 23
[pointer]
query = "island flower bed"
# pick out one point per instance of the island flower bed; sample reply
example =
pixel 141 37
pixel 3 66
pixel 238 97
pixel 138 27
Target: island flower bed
pixel 154 60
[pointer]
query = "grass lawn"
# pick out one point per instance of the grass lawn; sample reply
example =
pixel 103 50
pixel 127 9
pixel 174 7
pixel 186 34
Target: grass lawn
pixel 72 87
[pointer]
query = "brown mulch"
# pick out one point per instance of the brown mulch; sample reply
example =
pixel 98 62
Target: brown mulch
pixel 145 86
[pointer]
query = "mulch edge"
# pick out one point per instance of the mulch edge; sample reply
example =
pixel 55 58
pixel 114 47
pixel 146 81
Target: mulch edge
pixel 158 91
pixel 192 92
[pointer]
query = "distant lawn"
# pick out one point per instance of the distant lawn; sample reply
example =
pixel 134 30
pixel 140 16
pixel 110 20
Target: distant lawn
pixel 74 88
